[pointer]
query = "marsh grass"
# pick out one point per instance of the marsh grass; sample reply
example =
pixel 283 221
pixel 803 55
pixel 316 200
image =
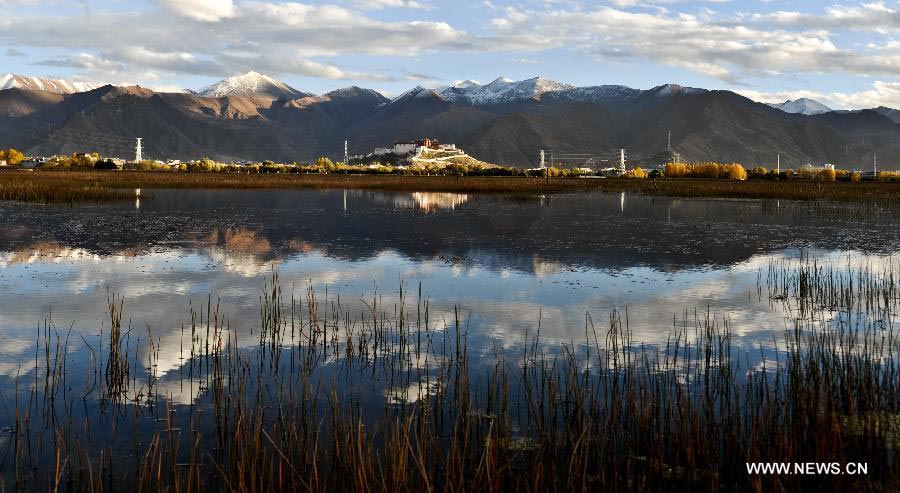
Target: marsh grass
pixel 29 187
pixel 86 186
pixel 326 396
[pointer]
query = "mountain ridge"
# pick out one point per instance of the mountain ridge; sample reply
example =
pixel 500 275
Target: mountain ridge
pixel 58 86
pixel 508 123
pixel 251 84
pixel 803 106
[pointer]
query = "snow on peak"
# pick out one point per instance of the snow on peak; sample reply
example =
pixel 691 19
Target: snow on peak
pixel 59 86
pixel 417 92
pixel 804 106
pixel 499 91
pixel 504 91
pixel 465 84
pixel 251 84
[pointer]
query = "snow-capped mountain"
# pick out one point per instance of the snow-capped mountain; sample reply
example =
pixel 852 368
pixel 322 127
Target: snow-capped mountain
pixel 59 86
pixel 251 84
pixel 596 94
pixel 803 106
pixel 501 90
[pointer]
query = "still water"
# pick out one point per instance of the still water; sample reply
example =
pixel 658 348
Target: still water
pixel 510 264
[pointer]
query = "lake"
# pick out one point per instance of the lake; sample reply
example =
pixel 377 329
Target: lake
pixel 509 270
pixel 507 262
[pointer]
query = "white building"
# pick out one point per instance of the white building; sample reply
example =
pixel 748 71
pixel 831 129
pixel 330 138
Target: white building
pixel 403 148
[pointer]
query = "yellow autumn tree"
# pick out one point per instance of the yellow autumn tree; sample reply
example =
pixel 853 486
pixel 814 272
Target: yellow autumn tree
pixel 638 172
pixel 12 157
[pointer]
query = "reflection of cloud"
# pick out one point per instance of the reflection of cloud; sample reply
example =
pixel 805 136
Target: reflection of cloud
pixel 16 354
pixel 247 265
pixel 9 369
pixel 410 393
pixel 181 391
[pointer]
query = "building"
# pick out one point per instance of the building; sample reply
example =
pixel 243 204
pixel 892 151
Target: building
pixel 403 150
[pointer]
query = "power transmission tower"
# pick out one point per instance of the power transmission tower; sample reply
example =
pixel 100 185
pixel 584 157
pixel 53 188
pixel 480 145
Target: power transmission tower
pixel 137 151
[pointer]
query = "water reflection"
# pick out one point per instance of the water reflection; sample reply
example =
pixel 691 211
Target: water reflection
pixel 511 263
pixel 423 201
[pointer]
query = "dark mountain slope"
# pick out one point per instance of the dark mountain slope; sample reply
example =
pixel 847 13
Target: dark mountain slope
pixel 705 125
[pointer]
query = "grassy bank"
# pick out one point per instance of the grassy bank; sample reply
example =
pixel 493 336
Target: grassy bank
pixel 288 409
pixel 81 186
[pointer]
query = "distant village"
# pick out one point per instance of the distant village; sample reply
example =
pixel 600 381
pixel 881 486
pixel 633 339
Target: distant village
pixel 429 156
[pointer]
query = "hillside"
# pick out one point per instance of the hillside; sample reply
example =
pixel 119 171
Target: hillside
pixel 503 122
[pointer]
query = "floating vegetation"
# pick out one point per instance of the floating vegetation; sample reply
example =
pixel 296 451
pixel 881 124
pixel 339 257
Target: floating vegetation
pixel 390 397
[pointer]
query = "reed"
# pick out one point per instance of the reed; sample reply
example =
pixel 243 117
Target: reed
pixel 375 397
pixel 77 186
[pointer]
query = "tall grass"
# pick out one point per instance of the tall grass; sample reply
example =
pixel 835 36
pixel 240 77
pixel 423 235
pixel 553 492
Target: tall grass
pixel 376 397
pixel 77 186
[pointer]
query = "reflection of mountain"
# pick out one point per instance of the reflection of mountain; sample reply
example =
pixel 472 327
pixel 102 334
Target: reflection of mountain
pixel 238 240
pixel 247 229
pixel 44 252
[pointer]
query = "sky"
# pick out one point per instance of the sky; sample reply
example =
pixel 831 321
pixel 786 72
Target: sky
pixel 845 54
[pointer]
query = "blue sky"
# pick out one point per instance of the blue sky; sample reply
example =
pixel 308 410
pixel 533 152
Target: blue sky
pixel 845 54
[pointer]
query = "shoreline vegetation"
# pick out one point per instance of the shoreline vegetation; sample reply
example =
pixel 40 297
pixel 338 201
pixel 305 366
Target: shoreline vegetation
pixel 45 186
pixel 284 410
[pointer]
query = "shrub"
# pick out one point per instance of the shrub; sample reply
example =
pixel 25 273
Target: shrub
pixel 733 171
pixel 637 173
pixel 888 176
pixel 759 172
pixel 105 164
pixel 12 157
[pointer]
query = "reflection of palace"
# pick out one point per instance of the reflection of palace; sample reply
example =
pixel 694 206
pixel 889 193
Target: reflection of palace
pixel 427 201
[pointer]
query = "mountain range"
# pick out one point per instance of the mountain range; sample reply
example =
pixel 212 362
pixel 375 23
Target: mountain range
pixel 256 117
pixel 59 86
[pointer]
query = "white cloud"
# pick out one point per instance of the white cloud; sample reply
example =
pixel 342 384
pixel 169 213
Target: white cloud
pixel 391 4
pixel 279 38
pixel 879 94
pixel 713 46
pixel 217 38
pixel 201 10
